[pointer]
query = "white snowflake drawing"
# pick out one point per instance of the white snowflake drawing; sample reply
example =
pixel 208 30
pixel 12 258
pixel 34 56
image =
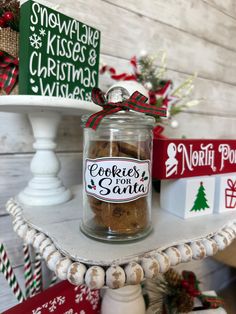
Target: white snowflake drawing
pixel 53 305
pixel 61 300
pixel 90 295
pixel 37 310
pixel 45 306
pixel 42 32
pixel 71 311
pixel 80 296
pixel 35 41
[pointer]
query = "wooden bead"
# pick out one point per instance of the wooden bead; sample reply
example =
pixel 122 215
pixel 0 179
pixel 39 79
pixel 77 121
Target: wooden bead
pixel 174 255
pixel 48 250
pixel 30 235
pixel 134 273
pixel 198 249
pixel 52 259
pixel 10 203
pixel 185 252
pixel 163 260
pixel 18 218
pixel 38 238
pixel 228 235
pixel 16 211
pixel 221 241
pixel 62 267
pixel 210 246
pixel 115 277
pixel 43 244
pixel 233 227
pixel 76 273
pixel 17 224
pixel 150 267
pixel 22 230
pixel 95 277
pixel 231 230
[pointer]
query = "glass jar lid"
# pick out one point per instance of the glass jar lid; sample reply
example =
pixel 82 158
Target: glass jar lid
pixel 124 119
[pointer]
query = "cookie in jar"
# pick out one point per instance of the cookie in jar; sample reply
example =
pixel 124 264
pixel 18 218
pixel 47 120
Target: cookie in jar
pixel 117 167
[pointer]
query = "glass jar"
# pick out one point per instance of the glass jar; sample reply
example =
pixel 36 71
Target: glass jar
pixel 117 177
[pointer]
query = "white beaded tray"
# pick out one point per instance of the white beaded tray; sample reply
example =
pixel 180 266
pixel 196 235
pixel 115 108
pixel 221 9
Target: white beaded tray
pixel 54 231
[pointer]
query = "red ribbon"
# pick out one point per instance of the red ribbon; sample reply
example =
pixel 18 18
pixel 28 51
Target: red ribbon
pixel 231 185
pixel 122 76
pixel 136 102
pixel 8 71
pixel 157 132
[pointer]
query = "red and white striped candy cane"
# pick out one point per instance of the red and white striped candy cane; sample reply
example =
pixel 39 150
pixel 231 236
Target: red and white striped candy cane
pixel 38 273
pixel 8 273
pixel 29 281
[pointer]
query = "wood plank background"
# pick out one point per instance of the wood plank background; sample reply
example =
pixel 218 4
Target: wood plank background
pixel 198 36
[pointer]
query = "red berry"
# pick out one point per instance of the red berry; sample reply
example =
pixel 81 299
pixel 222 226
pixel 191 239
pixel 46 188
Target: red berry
pixel 2 22
pixel 8 16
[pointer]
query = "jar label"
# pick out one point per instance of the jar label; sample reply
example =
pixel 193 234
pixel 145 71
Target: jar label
pixel 117 179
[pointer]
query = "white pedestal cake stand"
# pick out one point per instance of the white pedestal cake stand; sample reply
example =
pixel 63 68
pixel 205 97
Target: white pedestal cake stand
pixel 54 232
pixel 44 112
pixel 48 215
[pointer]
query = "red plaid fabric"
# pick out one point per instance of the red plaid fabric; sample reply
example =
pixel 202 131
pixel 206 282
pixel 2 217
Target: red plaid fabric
pixel 8 71
pixel 136 102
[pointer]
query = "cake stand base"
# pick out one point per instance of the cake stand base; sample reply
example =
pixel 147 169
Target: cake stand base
pixel 128 299
pixel 45 188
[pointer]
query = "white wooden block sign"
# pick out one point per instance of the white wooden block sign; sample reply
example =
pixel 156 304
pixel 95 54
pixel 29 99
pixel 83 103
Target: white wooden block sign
pixel 225 193
pixel 188 197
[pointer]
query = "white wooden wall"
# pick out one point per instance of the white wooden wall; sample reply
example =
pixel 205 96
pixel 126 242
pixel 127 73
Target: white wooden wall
pixel 198 35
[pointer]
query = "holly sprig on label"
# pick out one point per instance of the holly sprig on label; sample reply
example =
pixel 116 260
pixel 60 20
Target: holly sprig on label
pixel 143 177
pixel 92 186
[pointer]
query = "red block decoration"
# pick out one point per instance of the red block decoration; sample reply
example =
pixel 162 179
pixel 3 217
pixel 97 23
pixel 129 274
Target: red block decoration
pixel 225 193
pixel 230 194
pixel 63 298
pixel 178 158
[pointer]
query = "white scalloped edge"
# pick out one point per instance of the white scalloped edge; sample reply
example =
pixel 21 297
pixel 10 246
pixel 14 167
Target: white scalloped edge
pixel 117 276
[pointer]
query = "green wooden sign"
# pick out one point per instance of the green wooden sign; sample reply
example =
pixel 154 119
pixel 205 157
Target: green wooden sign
pixel 59 56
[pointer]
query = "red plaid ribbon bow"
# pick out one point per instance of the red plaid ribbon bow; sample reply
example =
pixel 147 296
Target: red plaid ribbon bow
pixel 136 102
pixel 8 71
pixel 192 287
